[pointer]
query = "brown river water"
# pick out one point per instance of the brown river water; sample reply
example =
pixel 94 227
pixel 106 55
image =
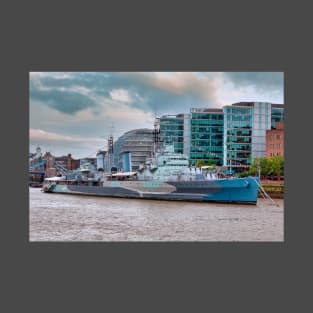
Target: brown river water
pixel 57 217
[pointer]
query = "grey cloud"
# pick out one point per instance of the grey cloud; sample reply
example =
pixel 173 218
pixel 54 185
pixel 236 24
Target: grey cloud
pixel 65 101
pixel 148 91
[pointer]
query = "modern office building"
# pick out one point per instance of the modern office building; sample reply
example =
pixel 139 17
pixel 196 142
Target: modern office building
pixel 206 135
pixel 245 126
pixel 275 140
pixel 232 136
pixel 175 129
pixel 137 142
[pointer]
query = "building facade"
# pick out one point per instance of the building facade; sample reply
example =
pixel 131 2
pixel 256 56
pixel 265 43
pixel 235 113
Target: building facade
pixel 245 128
pixel 174 129
pixel 278 114
pixel 232 136
pixel 139 143
pixel 206 135
pixel 275 140
pixel 100 160
pixel 238 125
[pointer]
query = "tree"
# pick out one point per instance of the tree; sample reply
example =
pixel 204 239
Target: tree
pixel 272 166
pixel 276 166
pixel 199 163
pixel 210 162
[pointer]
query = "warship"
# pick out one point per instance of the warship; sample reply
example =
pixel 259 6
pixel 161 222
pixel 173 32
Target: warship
pixel 166 176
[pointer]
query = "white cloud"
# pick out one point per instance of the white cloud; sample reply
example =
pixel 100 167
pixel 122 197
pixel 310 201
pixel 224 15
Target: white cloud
pixel 55 75
pixel 121 95
pixel 42 135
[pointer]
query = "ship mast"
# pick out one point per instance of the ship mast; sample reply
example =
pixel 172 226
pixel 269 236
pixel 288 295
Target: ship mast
pixel 110 148
pixel 156 135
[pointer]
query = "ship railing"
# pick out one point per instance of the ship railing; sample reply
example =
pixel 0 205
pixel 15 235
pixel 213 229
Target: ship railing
pixel 62 169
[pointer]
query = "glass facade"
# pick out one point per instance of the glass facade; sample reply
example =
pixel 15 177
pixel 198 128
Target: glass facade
pixel 206 135
pixel 261 123
pixel 238 123
pixel 137 142
pixel 173 131
pixel 277 115
pixel 232 136
pixel 245 130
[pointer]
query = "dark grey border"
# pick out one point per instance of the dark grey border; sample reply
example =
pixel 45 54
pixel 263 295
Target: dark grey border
pixel 229 36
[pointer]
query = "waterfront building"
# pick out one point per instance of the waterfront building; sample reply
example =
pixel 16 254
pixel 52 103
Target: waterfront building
pixel 137 142
pixel 231 136
pixel 175 129
pixel 66 162
pixel 238 128
pixel 206 135
pixel 245 126
pixel 275 140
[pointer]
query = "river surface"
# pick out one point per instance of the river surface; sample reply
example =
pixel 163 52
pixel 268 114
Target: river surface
pixel 57 217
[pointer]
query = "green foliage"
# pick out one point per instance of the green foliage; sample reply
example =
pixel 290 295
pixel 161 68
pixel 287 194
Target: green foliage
pixel 243 174
pixel 272 166
pixel 209 162
pixel 199 163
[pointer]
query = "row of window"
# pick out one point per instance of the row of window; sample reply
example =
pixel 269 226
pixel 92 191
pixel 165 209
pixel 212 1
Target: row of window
pixel 237 147
pixel 277 136
pixel 206 149
pixel 197 155
pixel 236 110
pixel 235 118
pixel 278 145
pixel 198 116
pixel 208 125
pixel 207 136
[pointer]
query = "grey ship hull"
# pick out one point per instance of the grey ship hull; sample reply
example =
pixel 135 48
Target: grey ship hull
pixel 237 190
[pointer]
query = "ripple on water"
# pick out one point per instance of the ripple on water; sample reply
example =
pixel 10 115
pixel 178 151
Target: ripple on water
pixel 57 217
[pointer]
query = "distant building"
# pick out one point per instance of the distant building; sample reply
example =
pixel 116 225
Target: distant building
pixel 58 165
pixel 275 140
pixel 101 160
pixel 50 167
pixel 137 142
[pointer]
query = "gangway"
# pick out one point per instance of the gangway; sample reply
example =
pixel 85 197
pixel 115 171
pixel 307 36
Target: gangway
pixel 264 194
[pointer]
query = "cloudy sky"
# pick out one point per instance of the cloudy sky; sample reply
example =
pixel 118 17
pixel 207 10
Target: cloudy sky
pixel 73 112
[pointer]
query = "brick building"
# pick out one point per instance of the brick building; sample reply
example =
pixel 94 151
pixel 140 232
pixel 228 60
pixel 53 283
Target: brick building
pixel 275 140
